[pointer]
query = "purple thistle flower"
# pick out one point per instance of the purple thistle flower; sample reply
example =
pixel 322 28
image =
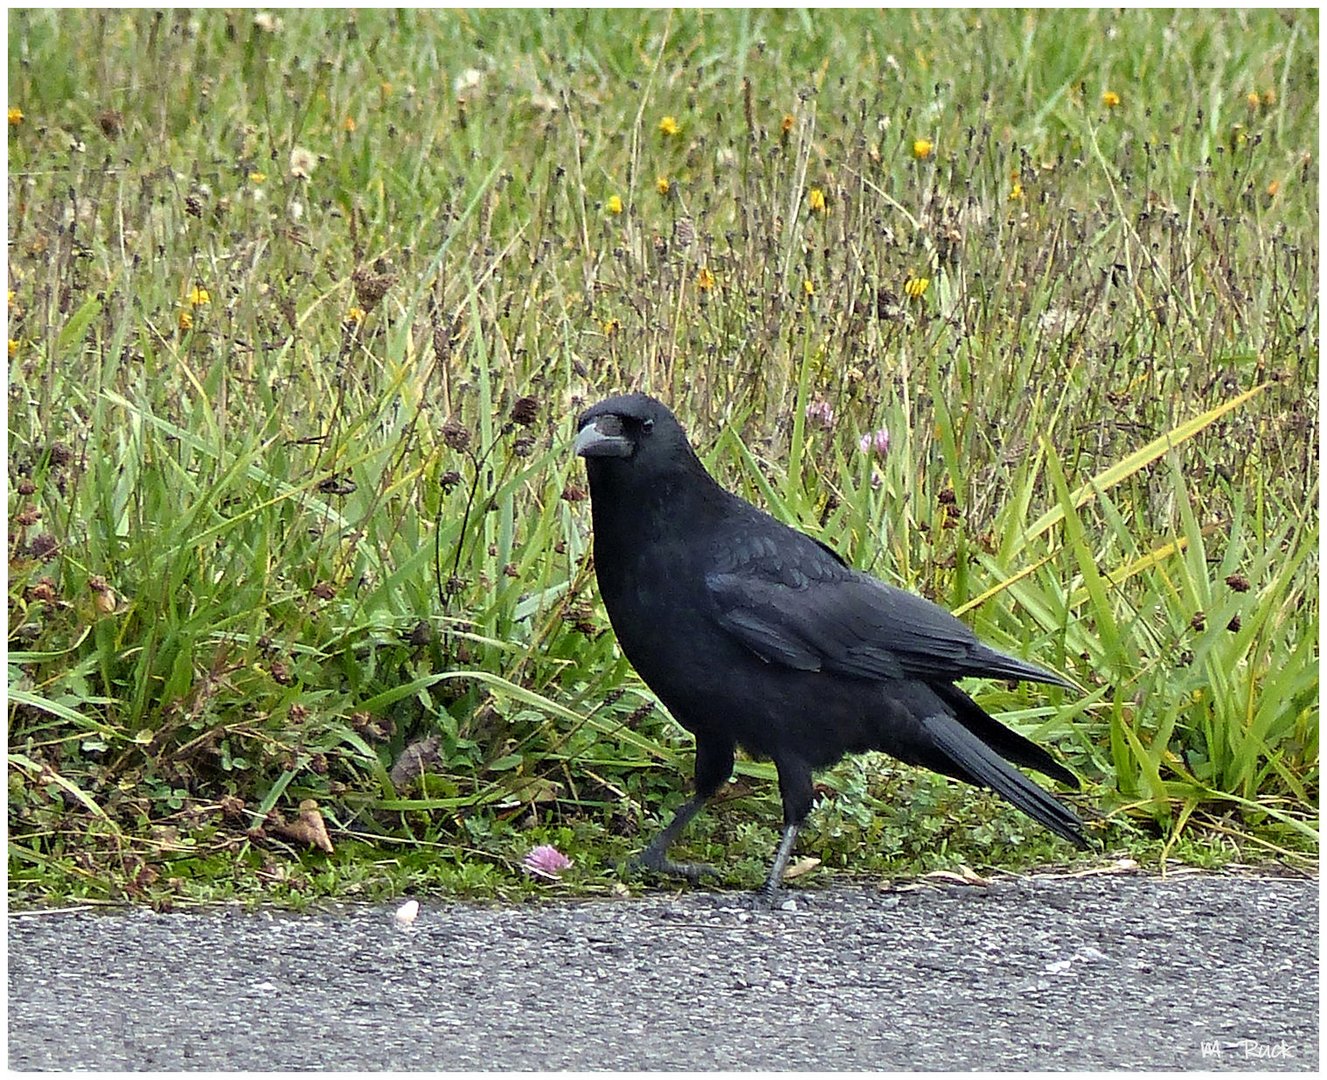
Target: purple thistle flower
pixel 820 414
pixel 546 861
pixel 875 442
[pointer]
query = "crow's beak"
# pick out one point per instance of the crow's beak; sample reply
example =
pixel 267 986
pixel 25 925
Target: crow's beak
pixel 603 438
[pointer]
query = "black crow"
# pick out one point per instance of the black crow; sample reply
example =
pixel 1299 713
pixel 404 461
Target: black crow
pixel 756 635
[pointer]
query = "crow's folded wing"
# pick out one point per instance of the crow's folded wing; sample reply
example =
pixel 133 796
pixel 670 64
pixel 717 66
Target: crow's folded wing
pixel 792 600
pixel 841 622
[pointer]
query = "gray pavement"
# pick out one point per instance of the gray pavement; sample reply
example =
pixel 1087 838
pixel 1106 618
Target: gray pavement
pixel 1108 971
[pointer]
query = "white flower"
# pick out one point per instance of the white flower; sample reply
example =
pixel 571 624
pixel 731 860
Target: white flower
pixel 467 81
pixel 302 163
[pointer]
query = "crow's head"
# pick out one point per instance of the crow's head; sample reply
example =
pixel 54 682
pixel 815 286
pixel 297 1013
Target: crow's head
pixel 631 428
pixel 646 483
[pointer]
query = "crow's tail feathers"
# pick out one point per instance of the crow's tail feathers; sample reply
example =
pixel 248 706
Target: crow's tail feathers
pixel 1009 744
pixel 983 765
pixel 985 662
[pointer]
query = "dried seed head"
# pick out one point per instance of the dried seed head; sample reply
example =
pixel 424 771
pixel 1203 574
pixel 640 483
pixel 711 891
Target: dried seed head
pixel 62 454
pixel 372 727
pixel 449 479
pixel 1199 621
pixel 442 341
pixel 26 487
pixel 1237 582
pixel 523 446
pixel 421 634
pixel 573 493
pixel 111 123
pixel 43 547
pixel 371 284
pixel 525 410
pixel 684 232
pixel 456 435
pixel 43 592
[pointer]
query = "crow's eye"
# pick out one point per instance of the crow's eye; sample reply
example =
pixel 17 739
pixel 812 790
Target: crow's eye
pixel 647 425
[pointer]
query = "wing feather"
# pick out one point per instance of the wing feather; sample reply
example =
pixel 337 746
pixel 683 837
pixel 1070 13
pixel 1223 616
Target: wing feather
pixel 791 601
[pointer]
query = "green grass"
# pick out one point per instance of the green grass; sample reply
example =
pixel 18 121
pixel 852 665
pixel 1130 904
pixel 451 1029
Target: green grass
pixel 276 290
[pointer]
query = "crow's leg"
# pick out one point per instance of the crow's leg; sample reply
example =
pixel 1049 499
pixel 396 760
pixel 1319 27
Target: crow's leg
pixel 798 794
pixel 766 893
pixel 714 764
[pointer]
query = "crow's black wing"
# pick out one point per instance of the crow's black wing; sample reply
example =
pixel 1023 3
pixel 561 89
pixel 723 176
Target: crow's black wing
pixel 791 601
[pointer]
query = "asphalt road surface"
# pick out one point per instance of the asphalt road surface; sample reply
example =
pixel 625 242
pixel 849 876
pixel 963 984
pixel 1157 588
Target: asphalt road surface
pixel 1108 971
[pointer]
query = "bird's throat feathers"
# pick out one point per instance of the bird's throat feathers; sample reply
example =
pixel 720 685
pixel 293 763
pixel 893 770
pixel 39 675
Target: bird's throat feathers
pixel 631 499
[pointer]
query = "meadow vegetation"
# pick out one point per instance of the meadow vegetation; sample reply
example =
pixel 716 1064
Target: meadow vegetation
pixel 302 306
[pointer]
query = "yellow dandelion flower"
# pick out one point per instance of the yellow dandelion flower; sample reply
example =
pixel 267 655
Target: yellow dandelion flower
pixel 385 89
pixel 198 296
pixel 704 279
pixel 669 126
pixel 1110 99
pixel 662 184
pixel 788 121
pixel 13 348
pixel 615 204
pixel 15 116
pixel 186 319
pixel 922 149
pixel 1016 192
pixel 1254 99
pixel 611 327
pixel 9 297
pixel 1269 97
pixel 258 178
pixel 915 287
pixel 816 200
pixel 1273 188
pixel 809 287
pixel 348 124
pixel 355 315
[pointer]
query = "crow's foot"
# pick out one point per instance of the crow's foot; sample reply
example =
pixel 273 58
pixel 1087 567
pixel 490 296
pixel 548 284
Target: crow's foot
pixel 659 864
